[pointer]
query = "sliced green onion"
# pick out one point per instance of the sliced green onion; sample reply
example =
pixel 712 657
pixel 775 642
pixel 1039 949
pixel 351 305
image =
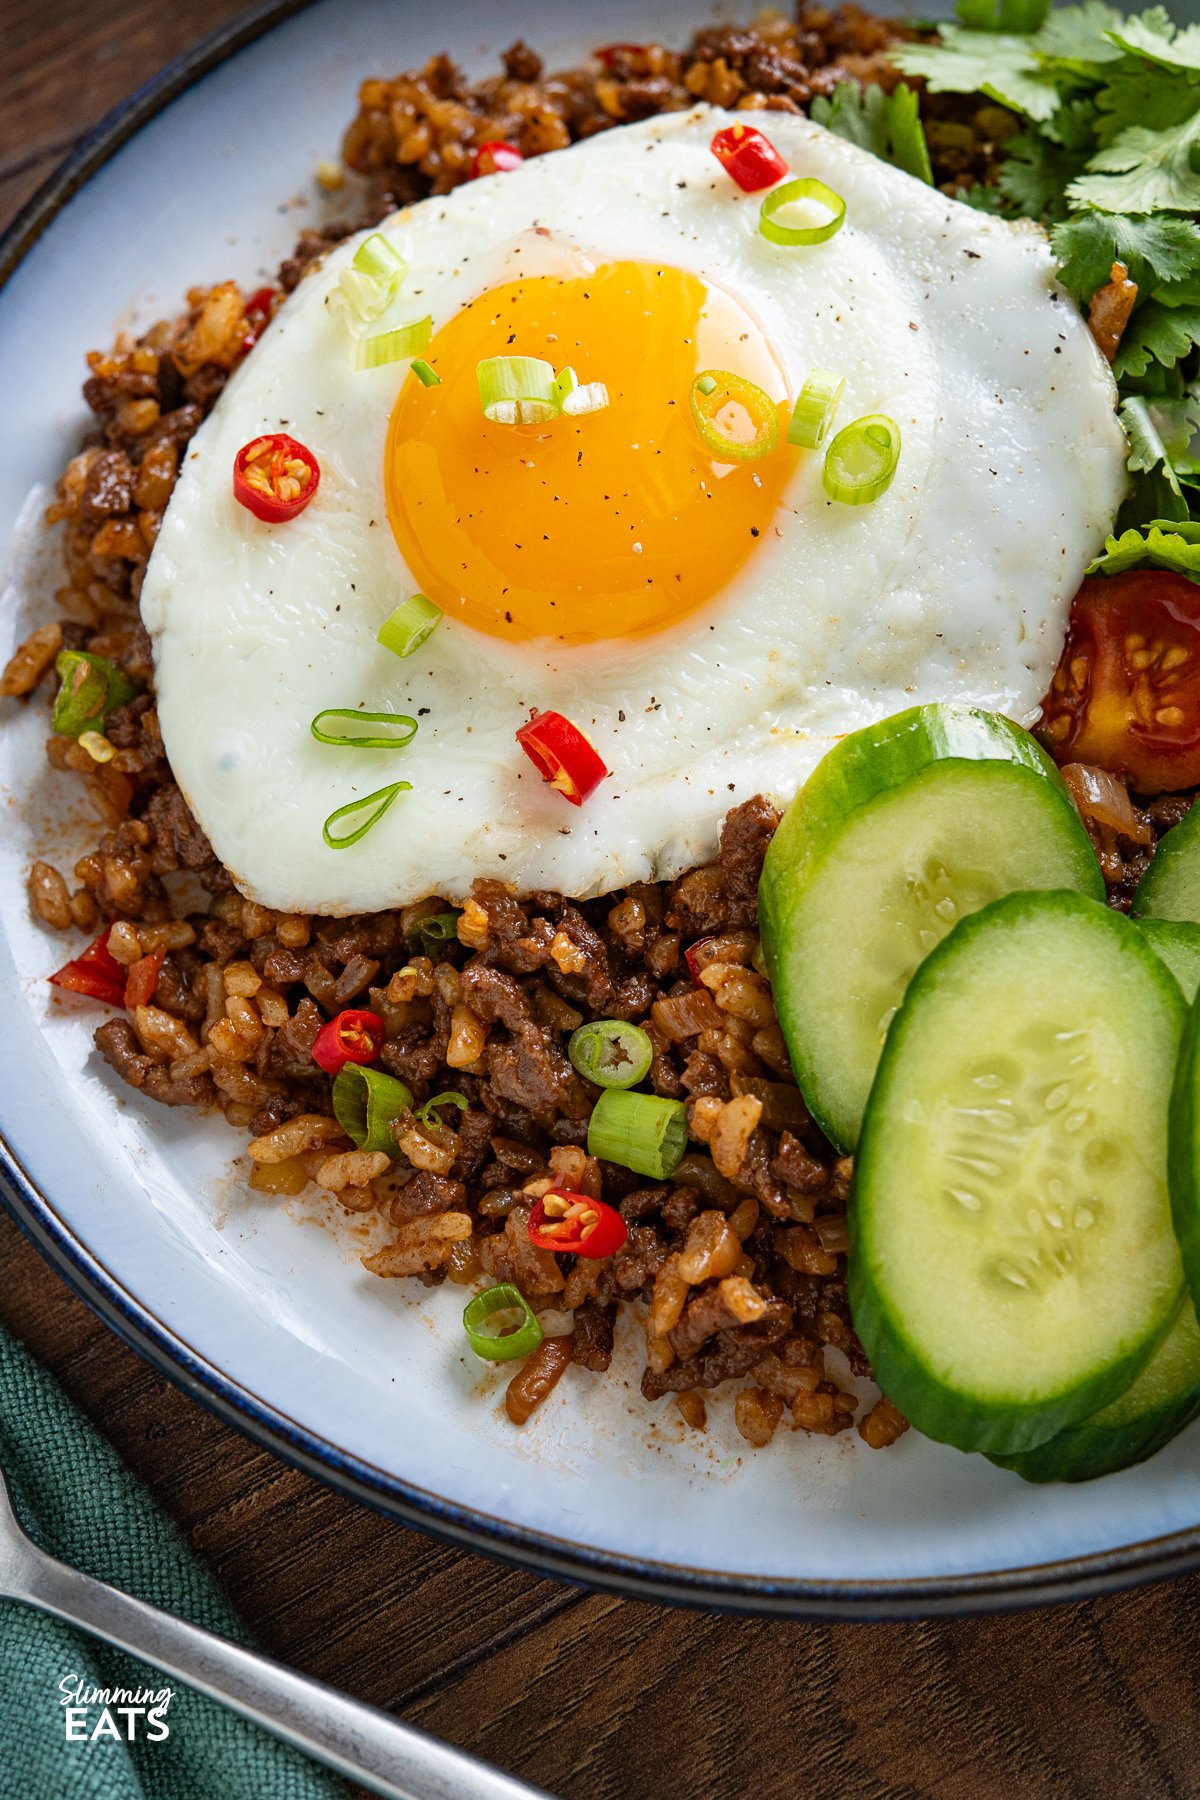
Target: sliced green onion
pixel 814 410
pixel 721 403
pixel 500 1324
pixel 791 193
pixel 517 390
pixel 437 931
pixel 565 382
pixel 862 459
pixel 380 260
pixel 405 732
pixel 592 397
pixel 365 1103
pixel 642 1132
pixel 425 375
pixel 428 1113
pixel 611 1053
pixel 372 805
pixel 91 687
pixel 380 347
pixel 408 627
pixel 373 279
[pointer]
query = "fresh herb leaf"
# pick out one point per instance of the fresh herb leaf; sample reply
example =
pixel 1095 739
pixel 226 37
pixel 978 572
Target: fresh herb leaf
pixel 1157 333
pixel 1035 175
pixel 1164 544
pixel 889 125
pixel 1153 250
pixel 1002 15
pixel 1077 36
pixel 1154 36
pixel 1004 67
pixel 1145 171
pixel 984 199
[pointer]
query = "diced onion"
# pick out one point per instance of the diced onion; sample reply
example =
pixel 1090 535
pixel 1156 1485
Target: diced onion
pixel 407 628
pixel 369 810
pixel 405 729
pixel 517 390
pixel 1104 798
pixel 805 190
pixel 814 411
pixel 861 461
pixel 642 1132
pixel 716 392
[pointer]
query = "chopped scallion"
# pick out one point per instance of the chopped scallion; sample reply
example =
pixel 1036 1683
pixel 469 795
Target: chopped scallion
pixel 500 1324
pixel 369 810
pixel 738 421
pixel 91 687
pixel 643 1132
pixel 405 729
pixel 380 347
pixel 428 1113
pixel 611 1053
pixel 437 931
pixel 425 375
pixel 807 191
pixel 365 1102
pixel 862 459
pixel 814 411
pixel 517 390
pixel 409 626
pixel 592 397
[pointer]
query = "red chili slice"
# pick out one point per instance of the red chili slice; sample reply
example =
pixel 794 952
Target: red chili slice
pixel 353 1036
pixel 141 980
pixel 496 158
pixel 94 972
pixel 691 957
pixel 573 1223
pixel 610 52
pixel 258 310
pixel 564 755
pixel 275 477
pixel 748 157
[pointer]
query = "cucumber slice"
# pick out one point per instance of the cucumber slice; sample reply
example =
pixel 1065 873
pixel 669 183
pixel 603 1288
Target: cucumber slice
pixel 1178 944
pixel 903 829
pixel 1013 1264
pixel 1162 1400
pixel 1185 1148
pixel 1170 888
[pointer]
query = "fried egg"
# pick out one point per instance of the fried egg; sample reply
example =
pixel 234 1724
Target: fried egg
pixel 712 626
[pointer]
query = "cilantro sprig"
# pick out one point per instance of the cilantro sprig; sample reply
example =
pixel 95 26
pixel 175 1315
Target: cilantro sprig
pixel 1108 157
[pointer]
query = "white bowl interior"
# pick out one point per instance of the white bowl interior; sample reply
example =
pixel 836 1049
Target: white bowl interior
pixel 271 1293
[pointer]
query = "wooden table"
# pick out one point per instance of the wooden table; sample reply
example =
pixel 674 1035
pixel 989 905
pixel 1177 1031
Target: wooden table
pixel 595 1698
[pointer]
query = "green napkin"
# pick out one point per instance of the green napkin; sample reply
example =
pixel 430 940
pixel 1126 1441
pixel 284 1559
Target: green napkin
pixel 77 1500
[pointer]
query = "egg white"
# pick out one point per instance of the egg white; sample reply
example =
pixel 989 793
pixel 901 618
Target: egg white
pixel 953 586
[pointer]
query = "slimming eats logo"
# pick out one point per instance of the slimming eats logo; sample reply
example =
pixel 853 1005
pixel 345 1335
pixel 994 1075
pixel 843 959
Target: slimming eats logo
pixel 92 1713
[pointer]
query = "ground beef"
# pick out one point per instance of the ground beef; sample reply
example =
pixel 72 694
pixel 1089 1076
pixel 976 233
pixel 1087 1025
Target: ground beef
pixel 244 990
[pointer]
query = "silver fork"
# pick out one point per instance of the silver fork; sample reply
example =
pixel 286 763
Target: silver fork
pixel 359 1741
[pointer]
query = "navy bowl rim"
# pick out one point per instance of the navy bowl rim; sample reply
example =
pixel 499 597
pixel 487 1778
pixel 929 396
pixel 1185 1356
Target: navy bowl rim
pixel 1065 1580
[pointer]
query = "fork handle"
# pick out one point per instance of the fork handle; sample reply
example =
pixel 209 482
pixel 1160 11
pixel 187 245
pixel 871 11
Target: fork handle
pixel 361 1742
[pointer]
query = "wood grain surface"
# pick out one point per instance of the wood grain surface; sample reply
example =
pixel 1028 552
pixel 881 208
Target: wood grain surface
pixel 592 1697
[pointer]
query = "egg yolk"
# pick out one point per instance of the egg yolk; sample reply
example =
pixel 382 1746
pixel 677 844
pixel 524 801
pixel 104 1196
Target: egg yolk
pixel 611 525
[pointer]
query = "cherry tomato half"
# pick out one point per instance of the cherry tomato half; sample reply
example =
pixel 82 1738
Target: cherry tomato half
pixel 275 476
pixel 1126 694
